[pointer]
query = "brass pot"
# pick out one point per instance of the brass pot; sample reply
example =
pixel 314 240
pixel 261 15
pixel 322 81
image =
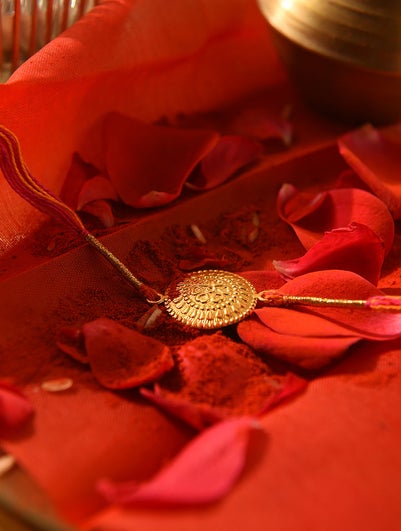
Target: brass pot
pixel 343 55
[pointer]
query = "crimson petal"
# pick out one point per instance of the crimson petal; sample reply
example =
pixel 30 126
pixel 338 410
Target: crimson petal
pixel 96 188
pixel 122 358
pixel 15 409
pixel 70 340
pixel 204 471
pixel 148 164
pixel 231 153
pixel 260 124
pixel 354 248
pixel 376 160
pixel 101 210
pixel 311 215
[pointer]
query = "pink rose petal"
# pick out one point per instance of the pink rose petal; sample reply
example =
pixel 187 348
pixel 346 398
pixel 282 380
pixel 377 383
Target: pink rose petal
pixel 122 358
pixel 377 160
pixel 96 188
pixel 216 378
pixel 205 470
pixel 311 215
pixel 231 153
pixel 15 409
pixel 354 248
pixel 148 164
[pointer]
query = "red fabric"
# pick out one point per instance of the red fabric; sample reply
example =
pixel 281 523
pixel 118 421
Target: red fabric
pixel 132 57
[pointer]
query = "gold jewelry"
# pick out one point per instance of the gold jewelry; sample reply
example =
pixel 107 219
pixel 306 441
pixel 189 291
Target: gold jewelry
pixel 211 299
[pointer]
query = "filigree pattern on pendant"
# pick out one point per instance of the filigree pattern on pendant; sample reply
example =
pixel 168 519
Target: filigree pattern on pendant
pixel 210 299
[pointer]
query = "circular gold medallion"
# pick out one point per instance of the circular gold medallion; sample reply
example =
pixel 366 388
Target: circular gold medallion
pixel 210 299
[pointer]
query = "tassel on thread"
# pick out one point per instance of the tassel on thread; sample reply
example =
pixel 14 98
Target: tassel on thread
pixel 25 185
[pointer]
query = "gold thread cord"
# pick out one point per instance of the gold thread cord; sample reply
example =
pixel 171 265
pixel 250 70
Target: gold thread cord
pixel 151 295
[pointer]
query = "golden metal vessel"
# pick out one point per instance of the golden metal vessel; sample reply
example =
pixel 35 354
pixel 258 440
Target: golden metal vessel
pixel 343 55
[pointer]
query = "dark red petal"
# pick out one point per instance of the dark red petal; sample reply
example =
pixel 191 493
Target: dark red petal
pixel 204 471
pixel 148 164
pixel 78 173
pixel 216 378
pixel 101 210
pixel 122 358
pixel 311 215
pixel 354 248
pixel 377 160
pixel 15 409
pixel 293 205
pixel 97 187
pixel 70 340
pixel 259 123
pixel 230 154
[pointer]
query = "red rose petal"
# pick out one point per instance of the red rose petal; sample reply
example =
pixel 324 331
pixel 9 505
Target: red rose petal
pixel 148 164
pixel 15 409
pixel 122 358
pixel 217 378
pixel 70 340
pixel 312 337
pixel 311 215
pixel 293 205
pixel 290 322
pixel 78 173
pixel 354 248
pixel 97 187
pixel 101 210
pixel 346 285
pixel 376 159
pixel 230 154
pixel 306 352
pixel 258 123
pixel 204 471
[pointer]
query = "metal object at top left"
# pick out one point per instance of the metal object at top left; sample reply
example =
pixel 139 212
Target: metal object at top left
pixel 27 25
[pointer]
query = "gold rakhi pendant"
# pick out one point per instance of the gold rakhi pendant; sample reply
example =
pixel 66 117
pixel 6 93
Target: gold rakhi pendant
pixel 210 299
